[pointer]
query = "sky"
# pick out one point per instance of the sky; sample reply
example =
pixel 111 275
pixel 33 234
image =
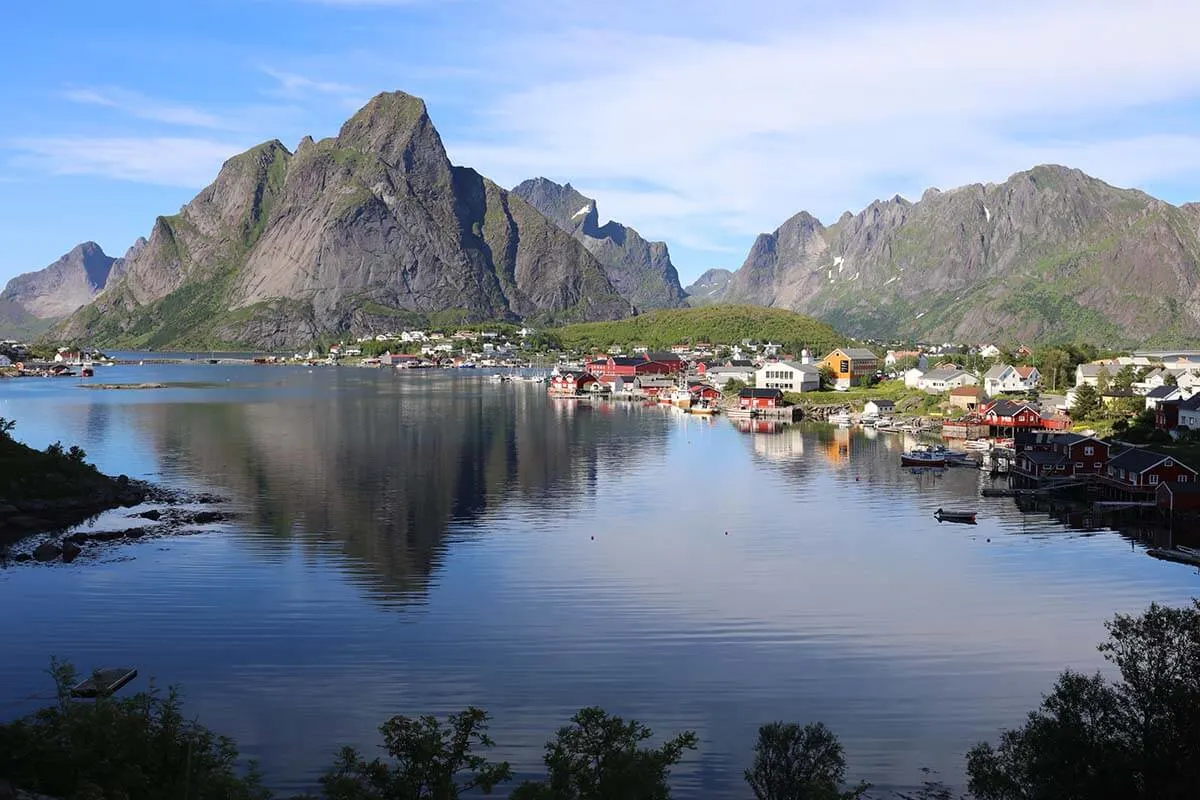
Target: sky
pixel 699 122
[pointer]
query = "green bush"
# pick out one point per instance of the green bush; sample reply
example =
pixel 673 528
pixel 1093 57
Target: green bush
pixel 135 748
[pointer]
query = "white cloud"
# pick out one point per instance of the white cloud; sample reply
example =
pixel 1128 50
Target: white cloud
pixel 294 85
pixel 140 106
pixel 165 161
pixel 833 113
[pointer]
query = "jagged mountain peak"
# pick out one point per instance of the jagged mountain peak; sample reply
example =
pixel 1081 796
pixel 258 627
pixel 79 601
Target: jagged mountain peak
pixel 640 270
pixel 390 124
pixel 353 233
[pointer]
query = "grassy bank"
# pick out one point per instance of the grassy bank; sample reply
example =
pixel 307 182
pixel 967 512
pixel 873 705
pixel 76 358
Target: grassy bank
pixel 908 401
pixel 44 490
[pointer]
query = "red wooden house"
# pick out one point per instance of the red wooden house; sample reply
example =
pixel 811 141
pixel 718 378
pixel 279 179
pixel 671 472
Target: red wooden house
pixel 673 363
pixel 1084 455
pixel 760 398
pixel 570 384
pixel 613 367
pixel 1135 474
pixel 702 391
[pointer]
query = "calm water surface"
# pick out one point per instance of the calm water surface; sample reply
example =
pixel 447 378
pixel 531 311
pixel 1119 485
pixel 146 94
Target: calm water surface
pixel 417 542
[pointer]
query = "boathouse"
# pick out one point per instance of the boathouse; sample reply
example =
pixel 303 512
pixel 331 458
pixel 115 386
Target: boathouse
pixel 879 408
pixel 760 398
pixel 967 398
pixel 1178 497
pixel 571 383
pixel 1136 474
pixel 703 391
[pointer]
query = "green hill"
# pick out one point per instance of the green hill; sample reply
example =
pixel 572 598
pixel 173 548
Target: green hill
pixel 718 324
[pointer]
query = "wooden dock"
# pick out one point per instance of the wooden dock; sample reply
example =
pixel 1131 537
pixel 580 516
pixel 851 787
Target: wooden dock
pixel 104 682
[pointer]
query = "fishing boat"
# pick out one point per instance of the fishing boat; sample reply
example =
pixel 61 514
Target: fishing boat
pixel 840 418
pixel 922 457
pixel 955 515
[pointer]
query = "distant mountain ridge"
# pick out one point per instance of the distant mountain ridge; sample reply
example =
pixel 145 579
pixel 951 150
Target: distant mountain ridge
pixel 352 234
pixel 710 287
pixel 1050 254
pixel 640 270
pixel 32 302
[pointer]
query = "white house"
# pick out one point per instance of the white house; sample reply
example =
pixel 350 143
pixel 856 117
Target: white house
pixel 892 356
pixel 1161 394
pixel 1189 413
pixel 719 376
pixel 1090 373
pixel 989 351
pixel 912 377
pixel 879 408
pixel 790 376
pixel 1188 383
pixel 1000 378
pixel 943 379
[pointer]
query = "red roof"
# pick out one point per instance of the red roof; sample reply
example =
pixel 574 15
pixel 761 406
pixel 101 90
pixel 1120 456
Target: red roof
pixel 966 391
pixel 1025 372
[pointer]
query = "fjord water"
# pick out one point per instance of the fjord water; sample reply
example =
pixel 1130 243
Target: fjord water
pixel 419 542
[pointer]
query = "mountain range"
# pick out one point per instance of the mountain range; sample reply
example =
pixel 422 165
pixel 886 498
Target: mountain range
pixel 375 229
pixel 1050 254
pixel 357 233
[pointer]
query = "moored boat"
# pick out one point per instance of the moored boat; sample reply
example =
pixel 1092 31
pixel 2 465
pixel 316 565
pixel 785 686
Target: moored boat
pixel 955 515
pixel 922 457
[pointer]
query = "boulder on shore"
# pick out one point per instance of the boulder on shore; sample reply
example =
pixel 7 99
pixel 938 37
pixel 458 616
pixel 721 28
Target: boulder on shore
pixel 70 551
pixel 47 551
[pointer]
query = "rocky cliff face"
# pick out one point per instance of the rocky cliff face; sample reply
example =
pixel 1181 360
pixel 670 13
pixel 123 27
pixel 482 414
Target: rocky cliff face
pixel 640 270
pixel 711 287
pixel 1050 254
pixel 31 302
pixel 354 233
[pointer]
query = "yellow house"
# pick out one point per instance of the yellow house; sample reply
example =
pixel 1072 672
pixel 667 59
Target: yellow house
pixel 851 366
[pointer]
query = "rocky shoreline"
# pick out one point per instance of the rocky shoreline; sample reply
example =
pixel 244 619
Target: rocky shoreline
pixel 55 542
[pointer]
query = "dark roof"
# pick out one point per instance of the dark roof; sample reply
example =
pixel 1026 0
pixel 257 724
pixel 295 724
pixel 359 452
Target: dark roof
pixel 740 362
pixel 883 403
pixel 1138 460
pixel 761 393
pixel 1162 391
pixel 664 357
pixel 1191 404
pixel 1076 438
pixel 1119 393
pixel 625 361
pixel 1042 457
pixel 1007 408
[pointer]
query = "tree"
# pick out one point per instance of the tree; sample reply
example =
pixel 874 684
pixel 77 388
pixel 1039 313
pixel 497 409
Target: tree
pixel 1087 401
pixel 799 763
pixel 1103 380
pixel 828 376
pixel 1134 739
pixel 135 748
pixel 601 757
pixel 1170 379
pixel 1124 378
pixel 432 761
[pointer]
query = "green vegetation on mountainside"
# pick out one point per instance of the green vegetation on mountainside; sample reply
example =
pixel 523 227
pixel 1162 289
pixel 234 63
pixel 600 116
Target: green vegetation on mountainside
pixel 716 324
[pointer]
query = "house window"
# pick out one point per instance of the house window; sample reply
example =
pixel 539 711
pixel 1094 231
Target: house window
pixel 1098 465
pixel 1182 479
pixel 1153 479
pixel 844 366
pixel 1078 465
pixel 1089 451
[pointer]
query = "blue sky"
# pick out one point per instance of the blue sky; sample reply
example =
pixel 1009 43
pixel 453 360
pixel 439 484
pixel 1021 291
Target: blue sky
pixel 701 122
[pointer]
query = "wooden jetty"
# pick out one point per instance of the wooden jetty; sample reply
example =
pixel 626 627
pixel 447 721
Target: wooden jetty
pixel 104 682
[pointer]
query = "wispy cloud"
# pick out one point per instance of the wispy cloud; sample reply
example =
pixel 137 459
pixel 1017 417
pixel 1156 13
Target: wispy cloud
pixel 294 85
pixel 165 161
pixel 141 106
pixel 829 115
